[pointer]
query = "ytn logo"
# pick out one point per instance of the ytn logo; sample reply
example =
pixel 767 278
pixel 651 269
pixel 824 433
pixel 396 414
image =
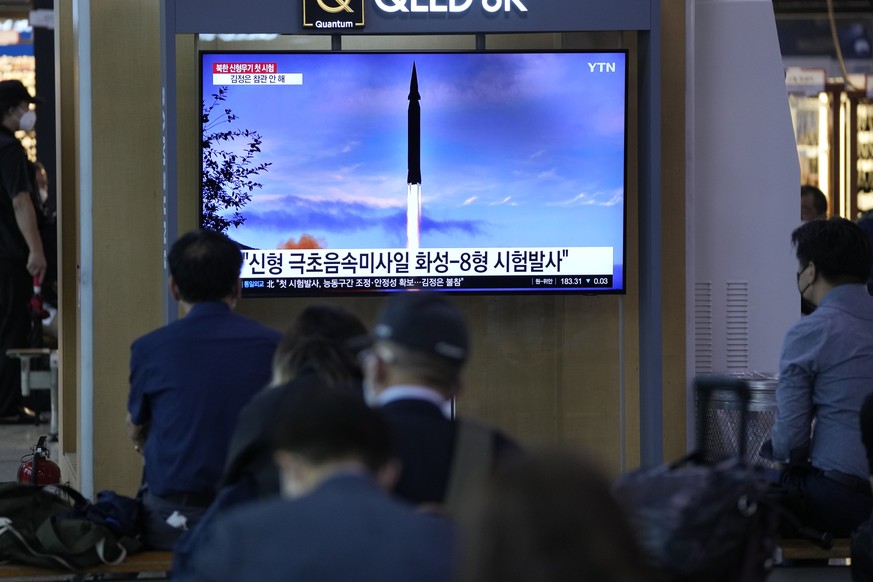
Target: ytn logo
pixel 447 5
pixel 602 67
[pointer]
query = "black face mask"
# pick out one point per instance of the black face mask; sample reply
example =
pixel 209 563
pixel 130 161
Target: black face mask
pixel 806 306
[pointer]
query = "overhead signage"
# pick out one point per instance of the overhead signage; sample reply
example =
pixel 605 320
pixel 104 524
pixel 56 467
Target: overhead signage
pixel 451 6
pixel 333 14
pixel 805 80
pixel 390 17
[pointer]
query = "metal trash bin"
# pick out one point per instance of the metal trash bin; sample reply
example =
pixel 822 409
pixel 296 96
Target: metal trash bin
pixel 722 418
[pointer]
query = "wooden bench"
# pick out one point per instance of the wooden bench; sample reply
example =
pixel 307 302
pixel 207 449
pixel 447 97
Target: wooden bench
pixel 797 549
pixel 159 563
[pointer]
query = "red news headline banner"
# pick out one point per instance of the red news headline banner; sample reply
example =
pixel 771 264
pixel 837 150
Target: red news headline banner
pixel 253 74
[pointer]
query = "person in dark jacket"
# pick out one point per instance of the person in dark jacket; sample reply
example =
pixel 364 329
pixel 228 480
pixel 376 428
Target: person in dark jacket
pixel 334 520
pixel 412 373
pixel 318 352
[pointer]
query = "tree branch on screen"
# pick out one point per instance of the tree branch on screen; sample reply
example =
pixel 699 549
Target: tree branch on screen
pixel 226 182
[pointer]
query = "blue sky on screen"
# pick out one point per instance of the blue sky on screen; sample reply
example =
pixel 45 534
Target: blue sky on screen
pixel 517 150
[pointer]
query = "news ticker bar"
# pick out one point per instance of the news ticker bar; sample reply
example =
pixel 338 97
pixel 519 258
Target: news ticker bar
pixel 309 286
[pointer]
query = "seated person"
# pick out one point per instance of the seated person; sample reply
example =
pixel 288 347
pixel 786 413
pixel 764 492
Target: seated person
pixel 188 382
pixel 333 521
pixel 319 349
pixel 412 372
pixel 825 373
pixel 550 516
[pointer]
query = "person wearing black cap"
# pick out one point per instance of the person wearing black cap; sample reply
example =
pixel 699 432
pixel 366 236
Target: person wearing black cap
pixel 412 371
pixel 21 252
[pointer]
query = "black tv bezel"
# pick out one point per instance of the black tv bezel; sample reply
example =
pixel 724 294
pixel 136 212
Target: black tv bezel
pixel 322 292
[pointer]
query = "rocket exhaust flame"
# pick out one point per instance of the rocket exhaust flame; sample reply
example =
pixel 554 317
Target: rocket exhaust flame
pixel 413 178
pixel 307 241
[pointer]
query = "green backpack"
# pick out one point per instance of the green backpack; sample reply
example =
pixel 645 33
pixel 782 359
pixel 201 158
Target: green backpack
pixel 32 533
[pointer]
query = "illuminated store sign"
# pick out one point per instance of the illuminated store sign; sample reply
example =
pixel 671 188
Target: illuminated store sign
pixel 411 17
pixel 333 14
pixel 454 6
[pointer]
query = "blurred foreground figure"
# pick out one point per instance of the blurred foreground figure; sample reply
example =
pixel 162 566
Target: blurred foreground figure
pixel 551 517
pixel 334 520
pixel 318 352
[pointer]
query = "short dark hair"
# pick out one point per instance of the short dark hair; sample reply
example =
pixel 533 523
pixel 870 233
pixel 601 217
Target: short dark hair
pixel 205 265
pixel 327 338
pixel 324 425
pixel 819 200
pixel 838 247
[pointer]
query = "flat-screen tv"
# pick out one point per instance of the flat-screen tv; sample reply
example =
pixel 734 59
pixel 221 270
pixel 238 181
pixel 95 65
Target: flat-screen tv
pixel 366 172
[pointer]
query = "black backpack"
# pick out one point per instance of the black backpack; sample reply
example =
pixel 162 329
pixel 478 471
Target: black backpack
pixel 37 528
pixel 702 521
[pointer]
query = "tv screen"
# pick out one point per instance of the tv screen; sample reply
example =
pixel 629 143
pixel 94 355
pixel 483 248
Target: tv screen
pixel 470 172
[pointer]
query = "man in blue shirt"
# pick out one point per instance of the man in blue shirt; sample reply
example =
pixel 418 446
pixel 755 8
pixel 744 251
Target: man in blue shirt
pixel 188 382
pixel 825 372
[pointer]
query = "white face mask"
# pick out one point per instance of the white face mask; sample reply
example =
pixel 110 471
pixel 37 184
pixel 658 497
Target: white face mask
pixel 27 121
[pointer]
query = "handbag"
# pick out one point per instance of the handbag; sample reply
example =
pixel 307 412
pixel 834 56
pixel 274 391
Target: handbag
pixel 35 529
pixel 700 521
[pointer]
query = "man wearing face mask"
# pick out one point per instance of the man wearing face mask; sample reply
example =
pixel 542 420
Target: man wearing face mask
pixel 412 372
pixel 21 251
pixel 825 372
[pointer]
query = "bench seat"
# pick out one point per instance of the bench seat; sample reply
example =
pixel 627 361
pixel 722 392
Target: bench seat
pixel 159 562
pixel 798 549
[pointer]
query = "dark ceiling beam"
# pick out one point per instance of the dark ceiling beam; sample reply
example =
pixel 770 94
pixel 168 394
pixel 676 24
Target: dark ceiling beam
pixel 855 8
